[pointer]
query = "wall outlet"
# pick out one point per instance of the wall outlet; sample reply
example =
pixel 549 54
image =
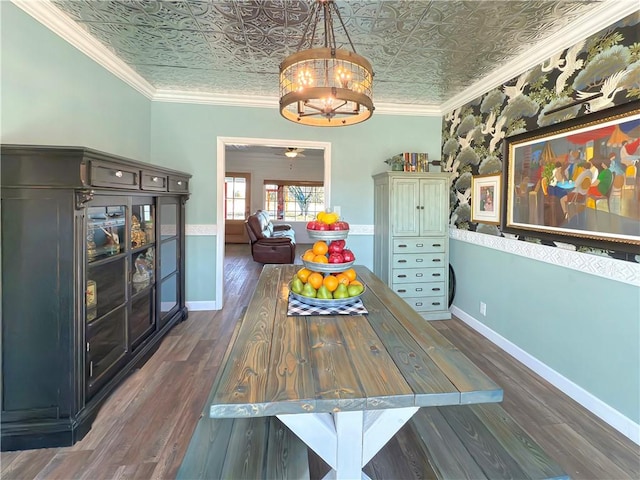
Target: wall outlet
pixel 483 309
pixel 337 210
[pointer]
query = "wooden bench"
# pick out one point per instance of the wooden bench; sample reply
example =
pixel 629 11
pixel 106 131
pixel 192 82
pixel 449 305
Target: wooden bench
pixel 242 448
pixel 480 442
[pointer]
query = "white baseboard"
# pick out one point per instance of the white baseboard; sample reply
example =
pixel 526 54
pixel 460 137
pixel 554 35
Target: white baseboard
pixel 617 420
pixel 201 306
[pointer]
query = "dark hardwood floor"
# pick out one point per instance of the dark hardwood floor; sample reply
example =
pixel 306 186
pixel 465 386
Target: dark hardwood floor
pixel 143 429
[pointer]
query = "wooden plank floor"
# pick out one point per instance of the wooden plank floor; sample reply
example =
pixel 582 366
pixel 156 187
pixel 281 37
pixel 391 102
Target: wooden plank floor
pixel 143 429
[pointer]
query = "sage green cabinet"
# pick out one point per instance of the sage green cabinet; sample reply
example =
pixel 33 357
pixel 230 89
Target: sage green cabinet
pixel 411 238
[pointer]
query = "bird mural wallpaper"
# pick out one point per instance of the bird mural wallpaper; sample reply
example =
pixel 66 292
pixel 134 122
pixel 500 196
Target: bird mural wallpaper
pixel 595 74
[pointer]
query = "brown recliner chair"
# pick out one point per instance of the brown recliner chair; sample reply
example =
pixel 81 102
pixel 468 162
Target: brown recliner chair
pixel 270 243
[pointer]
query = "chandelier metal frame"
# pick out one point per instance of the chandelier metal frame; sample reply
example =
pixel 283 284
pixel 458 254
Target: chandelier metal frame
pixel 325 86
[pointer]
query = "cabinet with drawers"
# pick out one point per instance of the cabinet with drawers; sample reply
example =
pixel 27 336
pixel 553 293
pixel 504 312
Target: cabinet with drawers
pixel 93 273
pixel 411 238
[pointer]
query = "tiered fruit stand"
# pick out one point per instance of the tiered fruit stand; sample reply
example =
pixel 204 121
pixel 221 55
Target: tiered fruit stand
pixel 327 269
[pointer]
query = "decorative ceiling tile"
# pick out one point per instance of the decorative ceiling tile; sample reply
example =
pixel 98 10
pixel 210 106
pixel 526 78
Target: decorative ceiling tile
pixel 422 52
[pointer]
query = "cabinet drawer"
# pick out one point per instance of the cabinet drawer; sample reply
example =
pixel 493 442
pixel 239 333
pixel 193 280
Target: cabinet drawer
pixel 153 181
pixel 422 245
pixel 418 260
pixel 433 289
pixel 178 184
pixel 427 304
pixel 409 275
pixel 113 175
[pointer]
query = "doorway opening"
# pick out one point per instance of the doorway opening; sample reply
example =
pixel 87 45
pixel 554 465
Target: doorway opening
pixel 266 150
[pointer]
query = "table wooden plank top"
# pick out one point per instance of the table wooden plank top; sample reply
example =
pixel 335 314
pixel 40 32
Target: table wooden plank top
pixel 388 358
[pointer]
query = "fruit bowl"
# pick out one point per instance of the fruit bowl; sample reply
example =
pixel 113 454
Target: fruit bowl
pixel 321 302
pixel 327 267
pixel 328 234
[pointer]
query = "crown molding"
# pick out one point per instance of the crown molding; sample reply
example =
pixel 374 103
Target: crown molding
pixel 606 13
pixel 59 23
pixel 202 98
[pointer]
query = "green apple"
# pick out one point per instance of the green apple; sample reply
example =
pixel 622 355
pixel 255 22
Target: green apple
pixel 355 290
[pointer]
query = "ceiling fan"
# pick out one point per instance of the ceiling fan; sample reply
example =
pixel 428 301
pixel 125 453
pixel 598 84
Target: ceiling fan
pixel 293 152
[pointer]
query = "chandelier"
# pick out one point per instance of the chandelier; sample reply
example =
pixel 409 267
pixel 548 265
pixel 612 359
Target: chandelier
pixel 325 86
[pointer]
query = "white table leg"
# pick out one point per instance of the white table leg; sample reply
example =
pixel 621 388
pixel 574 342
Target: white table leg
pixel 347 441
pixel 380 426
pixel 317 430
pixel 349 430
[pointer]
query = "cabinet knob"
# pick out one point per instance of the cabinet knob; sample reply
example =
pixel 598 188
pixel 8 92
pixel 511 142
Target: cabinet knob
pixel 436 260
pixel 119 174
pixel 419 245
pixel 435 303
pixel 435 289
pixel 179 182
pixel 418 260
pixel 402 276
pixel 418 274
pixel 154 179
pixel 402 261
pixel 437 245
pixel 422 208
pixel 417 207
pixel 402 246
pixel 419 289
pixel 402 290
pixel 435 275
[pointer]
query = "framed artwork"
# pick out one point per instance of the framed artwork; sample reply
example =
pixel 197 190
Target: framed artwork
pixel 485 199
pixel 577 179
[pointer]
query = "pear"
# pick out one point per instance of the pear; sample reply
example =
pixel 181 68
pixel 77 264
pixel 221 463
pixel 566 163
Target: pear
pixel 324 293
pixel 297 285
pixel 355 290
pixel 341 291
pixel 308 291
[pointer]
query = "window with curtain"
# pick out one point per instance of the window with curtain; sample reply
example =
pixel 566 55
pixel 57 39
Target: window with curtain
pixel 293 201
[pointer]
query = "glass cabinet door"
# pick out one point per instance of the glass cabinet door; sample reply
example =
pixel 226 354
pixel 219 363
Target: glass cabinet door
pixel 143 270
pixel 106 288
pixel 169 258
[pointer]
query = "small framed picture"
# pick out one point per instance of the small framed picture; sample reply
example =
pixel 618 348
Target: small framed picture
pixel 485 199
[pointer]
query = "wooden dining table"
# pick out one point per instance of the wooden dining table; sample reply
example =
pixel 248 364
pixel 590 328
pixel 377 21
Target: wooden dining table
pixel 344 384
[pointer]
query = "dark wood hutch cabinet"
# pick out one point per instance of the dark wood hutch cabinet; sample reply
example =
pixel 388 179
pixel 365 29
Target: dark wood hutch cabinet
pixel 92 279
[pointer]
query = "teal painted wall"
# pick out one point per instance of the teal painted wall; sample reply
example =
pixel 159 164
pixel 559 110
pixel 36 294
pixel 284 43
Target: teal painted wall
pixel 583 326
pixel 185 136
pixel 52 94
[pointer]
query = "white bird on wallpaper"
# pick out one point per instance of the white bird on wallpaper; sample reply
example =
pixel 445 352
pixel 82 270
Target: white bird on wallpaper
pixel 449 165
pixel 468 140
pixel 464 197
pixel 488 127
pixel 554 62
pixel 609 89
pixel 571 64
pixel 455 120
pixel 516 90
pixel 498 134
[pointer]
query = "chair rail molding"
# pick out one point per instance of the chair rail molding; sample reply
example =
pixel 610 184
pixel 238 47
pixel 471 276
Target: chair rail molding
pixel 610 268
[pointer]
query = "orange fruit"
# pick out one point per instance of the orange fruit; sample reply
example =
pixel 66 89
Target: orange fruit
pixel 351 273
pixel 342 278
pixel 320 259
pixel 308 256
pixel 331 282
pixel 320 247
pixel 315 279
pixel 355 282
pixel 303 274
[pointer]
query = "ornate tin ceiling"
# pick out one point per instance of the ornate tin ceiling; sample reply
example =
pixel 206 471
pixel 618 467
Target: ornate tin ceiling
pixel 422 52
